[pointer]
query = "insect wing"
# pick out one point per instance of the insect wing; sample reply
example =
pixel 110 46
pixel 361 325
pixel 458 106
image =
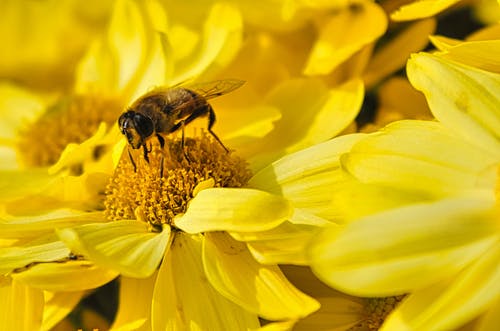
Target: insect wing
pixel 213 89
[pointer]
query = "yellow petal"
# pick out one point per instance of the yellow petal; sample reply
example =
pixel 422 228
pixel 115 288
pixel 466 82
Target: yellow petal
pixel 134 309
pixel 44 249
pixel 423 157
pixel 57 306
pixel 33 226
pixel 233 209
pixel 463 98
pixel 421 9
pixel 345 33
pixel 491 318
pixel 125 246
pixel 184 299
pixel 446 306
pixel 393 55
pixel 479 54
pixel 263 290
pixel 21 306
pixel 67 276
pixel 222 34
pixel 385 254
pixel 18 183
pixel 311 114
pixel 17 107
pixel 306 178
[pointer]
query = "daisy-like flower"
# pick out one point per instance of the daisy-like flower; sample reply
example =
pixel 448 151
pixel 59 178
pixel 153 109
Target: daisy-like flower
pixel 427 194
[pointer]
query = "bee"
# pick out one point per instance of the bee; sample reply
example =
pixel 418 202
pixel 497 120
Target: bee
pixel 166 110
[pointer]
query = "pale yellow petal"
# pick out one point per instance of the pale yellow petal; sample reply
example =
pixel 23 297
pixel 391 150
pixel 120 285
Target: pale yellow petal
pixel 37 225
pixel 384 254
pixel 134 309
pixel 233 209
pixel 421 9
pixel 479 54
pixel 421 156
pixel 447 305
pixel 263 290
pixel 463 98
pixel 345 33
pixel 42 249
pixel 183 299
pixel 67 276
pixel 21 306
pixel 311 114
pixel 127 247
pixel 393 55
pixel 15 184
pixel 57 306
pixel 306 178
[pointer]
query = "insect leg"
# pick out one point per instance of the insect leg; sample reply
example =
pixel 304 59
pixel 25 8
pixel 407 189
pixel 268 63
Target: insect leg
pixel 160 140
pixel 211 121
pixel 146 152
pixel 131 159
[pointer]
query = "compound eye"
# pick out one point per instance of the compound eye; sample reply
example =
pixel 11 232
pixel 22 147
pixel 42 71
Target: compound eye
pixel 143 125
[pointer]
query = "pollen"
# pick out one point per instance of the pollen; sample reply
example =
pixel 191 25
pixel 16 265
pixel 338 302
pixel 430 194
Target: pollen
pixel 71 119
pixel 160 189
pixel 376 311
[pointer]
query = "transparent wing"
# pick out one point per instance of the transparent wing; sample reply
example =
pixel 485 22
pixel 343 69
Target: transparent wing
pixel 215 88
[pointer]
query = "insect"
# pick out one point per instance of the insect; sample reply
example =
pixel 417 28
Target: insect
pixel 166 110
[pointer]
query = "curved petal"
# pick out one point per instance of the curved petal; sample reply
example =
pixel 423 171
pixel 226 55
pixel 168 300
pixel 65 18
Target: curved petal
pixel 463 98
pixel 57 306
pixel 422 156
pixel 385 254
pixel 306 178
pixel 264 290
pixel 446 306
pixel 234 209
pixel 134 308
pixel 345 33
pixel 184 299
pixel 68 276
pixel 21 307
pixel 421 9
pixel 45 249
pixel 125 246
pixel 478 54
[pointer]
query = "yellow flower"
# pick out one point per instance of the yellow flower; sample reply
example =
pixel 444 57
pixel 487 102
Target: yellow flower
pixel 428 197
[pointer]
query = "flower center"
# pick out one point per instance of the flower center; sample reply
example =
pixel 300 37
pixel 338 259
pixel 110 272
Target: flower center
pixel 376 310
pixel 70 120
pixel 158 190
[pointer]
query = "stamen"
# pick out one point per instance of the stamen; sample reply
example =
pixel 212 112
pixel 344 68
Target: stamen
pixel 377 310
pixel 162 187
pixel 70 120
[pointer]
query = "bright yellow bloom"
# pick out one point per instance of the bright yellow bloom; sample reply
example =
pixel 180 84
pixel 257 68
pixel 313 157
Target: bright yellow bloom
pixel 428 194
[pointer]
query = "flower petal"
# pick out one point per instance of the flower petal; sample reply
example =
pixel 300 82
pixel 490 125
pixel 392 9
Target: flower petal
pixel 416 156
pixel 44 249
pixel 384 254
pixel 264 290
pixel 446 306
pixel 57 306
pixel 306 178
pixel 125 246
pixel 184 299
pixel 21 307
pixel 329 112
pixel 345 33
pixel 233 209
pixel 463 98
pixel 393 55
pixel 134 311
pixel 421 9
pixel 67 276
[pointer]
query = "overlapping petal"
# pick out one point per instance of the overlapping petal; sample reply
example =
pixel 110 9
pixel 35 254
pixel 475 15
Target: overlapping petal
pixel 184 298
pixel 386 253
pixel 58 305
pixel 125 246
pixel 231 209
pixel 263 290
pixel 421 9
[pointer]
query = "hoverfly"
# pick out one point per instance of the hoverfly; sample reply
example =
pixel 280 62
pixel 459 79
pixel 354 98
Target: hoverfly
pixel 166 110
